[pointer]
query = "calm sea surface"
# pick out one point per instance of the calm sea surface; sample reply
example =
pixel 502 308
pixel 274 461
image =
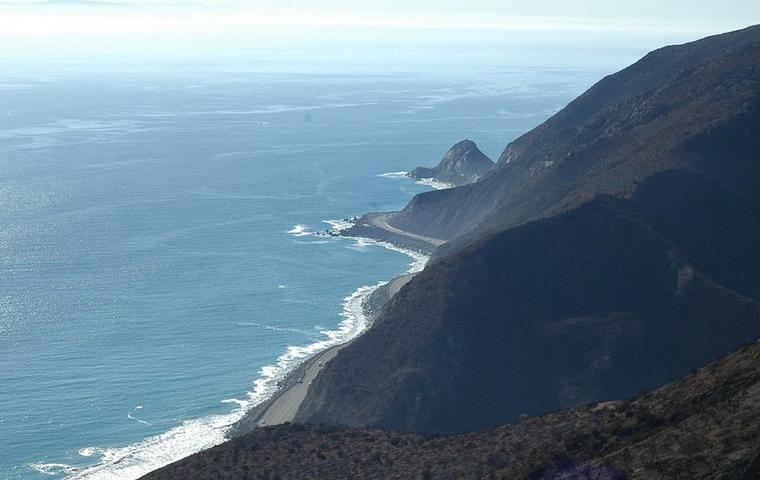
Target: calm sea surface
pixel 156 261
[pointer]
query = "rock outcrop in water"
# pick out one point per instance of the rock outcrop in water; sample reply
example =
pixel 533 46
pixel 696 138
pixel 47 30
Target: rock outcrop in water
pixel 462 164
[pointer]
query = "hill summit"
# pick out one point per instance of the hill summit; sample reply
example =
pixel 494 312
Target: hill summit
pixel 463 163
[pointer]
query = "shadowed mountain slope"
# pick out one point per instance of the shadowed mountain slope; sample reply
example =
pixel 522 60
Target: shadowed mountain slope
pixel 618 250
pixel 601 302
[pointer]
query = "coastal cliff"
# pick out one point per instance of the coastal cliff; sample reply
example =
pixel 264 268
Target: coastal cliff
pixel 462 164
pixel 616 257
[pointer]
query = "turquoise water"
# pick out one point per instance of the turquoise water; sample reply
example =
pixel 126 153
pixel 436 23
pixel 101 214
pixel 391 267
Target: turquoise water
pixel 155 255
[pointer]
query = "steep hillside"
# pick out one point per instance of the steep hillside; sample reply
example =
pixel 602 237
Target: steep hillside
pixel 620 253
pixel 704 426
pixel 693 105
pixel 601 302
pixel 462 164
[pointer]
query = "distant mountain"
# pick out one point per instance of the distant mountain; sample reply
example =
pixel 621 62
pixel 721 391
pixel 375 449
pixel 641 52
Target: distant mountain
pixel 685 106
pixel 702 427
pixel 462 164
pixel 611 250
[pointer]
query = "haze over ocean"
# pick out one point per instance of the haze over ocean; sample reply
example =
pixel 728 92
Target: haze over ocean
pixel 155 253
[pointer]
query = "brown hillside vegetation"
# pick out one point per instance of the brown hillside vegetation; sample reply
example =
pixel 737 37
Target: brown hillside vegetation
pixel 705 426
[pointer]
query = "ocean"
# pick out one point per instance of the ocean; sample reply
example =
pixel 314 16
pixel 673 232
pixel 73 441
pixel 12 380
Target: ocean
pixel 158 263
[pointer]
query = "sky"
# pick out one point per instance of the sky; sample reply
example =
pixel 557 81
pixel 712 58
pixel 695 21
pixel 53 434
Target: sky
pixel 206 27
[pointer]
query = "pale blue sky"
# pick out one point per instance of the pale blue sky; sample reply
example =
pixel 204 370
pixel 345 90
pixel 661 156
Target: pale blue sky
pixel 699 10
pixel 117 26
pixel 681 10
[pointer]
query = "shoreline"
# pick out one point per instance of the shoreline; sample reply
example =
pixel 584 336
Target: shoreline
pixel 280 391
pixel 254 418
pixel 283 404
pixel 375 226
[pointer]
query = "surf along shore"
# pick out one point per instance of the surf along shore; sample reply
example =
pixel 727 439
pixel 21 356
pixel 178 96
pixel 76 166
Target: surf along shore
pixel 283 405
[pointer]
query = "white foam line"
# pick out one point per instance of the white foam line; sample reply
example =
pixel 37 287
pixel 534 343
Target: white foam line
pixel 362 243
pixel 338 226
pixel 419 260
pixel 394 175
pixel 435 184
pixel 429 182
pixel 299 231
pixel 353 323
pixel 191 436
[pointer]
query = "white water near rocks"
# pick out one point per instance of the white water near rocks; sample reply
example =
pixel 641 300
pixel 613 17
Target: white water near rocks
pixel 429 182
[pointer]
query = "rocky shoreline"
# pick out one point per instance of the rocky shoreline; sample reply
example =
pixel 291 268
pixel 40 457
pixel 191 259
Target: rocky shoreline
pixel 366 227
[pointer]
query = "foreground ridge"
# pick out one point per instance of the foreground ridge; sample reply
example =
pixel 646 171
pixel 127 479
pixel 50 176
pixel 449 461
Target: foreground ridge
pixel 704 426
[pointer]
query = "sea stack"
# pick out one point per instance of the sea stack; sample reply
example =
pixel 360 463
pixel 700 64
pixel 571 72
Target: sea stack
pixel 463 163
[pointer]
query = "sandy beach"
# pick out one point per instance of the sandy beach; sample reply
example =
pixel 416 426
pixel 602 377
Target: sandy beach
pixel 283 405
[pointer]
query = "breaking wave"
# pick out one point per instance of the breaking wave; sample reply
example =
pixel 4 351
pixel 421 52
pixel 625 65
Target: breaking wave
pixel 394 175
pixel 299 231
pixel 430 182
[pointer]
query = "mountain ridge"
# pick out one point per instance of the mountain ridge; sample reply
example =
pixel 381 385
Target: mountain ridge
pixel 701 427
pixel 546 169
pixel 664 185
